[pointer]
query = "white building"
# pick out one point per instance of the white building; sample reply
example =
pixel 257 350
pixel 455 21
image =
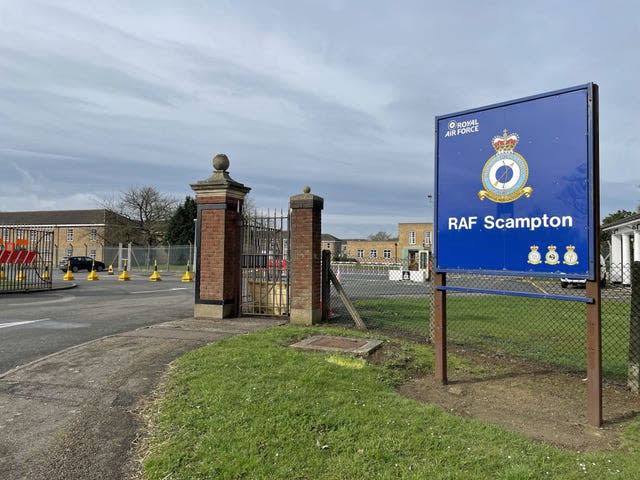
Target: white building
pixel 622 253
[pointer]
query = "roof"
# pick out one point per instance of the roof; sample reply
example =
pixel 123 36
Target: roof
pixel 326 237
pixel 623 223
pixel 56 217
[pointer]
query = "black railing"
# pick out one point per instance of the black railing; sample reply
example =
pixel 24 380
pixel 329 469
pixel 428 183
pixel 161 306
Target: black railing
pixel 26 259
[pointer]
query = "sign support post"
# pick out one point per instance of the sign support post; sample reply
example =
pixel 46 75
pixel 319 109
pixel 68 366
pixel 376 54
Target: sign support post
pixel 594 355
pixel 440 327
pixel 593 287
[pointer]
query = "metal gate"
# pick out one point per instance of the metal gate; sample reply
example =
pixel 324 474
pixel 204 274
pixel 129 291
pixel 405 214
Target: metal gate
pixel 26 259
pixel 265 264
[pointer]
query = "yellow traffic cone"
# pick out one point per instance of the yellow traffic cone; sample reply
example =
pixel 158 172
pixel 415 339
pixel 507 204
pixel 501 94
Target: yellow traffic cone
pixel 3 276
pixel 155 276
pixel 110 271
pixel 188 276
pixel 46 276
pixel 68 274
pixel 93 275
pixel 21 276
pixel 124 275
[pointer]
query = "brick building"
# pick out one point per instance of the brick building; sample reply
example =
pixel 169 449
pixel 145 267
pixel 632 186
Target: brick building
pixel 333 244
pixel 75 232
pixel 412 238
pixel 372 251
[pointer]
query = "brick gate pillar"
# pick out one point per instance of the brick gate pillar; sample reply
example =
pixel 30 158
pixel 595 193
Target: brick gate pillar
pixel 306 258
pixel 218 241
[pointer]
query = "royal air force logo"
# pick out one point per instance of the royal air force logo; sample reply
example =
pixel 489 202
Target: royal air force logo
pixel 505 173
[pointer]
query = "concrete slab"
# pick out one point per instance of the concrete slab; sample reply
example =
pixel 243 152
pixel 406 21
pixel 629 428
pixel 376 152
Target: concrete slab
pixel 328 343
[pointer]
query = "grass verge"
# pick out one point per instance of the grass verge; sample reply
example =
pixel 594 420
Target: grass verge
pixel 250 407
pixel 541 330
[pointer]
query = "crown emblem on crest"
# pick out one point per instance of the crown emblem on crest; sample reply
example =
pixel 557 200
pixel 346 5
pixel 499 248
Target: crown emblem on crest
pixel 570 256
pixel 551 257
pixel 534 256
pixel 506 142
pixel 505 174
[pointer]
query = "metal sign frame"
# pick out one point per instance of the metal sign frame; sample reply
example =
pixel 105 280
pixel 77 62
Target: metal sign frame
pixel 592 276
pixel 557 130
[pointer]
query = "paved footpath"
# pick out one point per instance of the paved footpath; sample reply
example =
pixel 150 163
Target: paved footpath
pixel 71 415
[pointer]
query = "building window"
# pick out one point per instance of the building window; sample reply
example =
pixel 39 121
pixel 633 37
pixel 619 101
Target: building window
pixel 92 253
pixel 33 236
pixel 5 234
pixel 412 238
pixel 93 236
pixel 386 253
pixel 68 252
pixel 360 253
pixel 427 238
pixel 69 234
pixel 19 234
pixel 373 253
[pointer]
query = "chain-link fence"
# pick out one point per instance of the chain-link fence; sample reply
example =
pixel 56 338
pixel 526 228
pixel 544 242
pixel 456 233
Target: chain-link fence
pixel 387 296
pixel 546 331
pixel 170 258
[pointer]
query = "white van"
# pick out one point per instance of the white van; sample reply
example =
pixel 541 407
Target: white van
pixel 565 282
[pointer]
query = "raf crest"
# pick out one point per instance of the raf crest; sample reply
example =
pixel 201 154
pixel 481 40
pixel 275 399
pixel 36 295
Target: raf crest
pixel 505 174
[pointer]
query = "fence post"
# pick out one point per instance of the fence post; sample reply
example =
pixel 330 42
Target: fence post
pixel 220 200
pixel 633 380
pixel 326 292
pixel 120 257
pixel 305 267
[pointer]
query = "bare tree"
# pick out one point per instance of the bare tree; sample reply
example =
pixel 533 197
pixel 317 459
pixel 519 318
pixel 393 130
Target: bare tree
pixel 146 211
pixel 379 236
pixel 249 203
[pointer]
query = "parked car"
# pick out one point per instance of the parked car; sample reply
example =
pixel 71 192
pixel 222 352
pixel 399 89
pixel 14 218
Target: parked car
pixel 581 282
pixel 80 263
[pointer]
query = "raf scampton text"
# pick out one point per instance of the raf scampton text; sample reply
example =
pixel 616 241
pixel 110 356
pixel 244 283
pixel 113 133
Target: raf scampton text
pixel 525 223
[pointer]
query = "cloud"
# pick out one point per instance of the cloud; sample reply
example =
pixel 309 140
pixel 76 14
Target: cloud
pixel 338 95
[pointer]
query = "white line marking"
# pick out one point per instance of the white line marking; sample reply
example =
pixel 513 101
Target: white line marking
pixel 23 322
pixel 535 285
pixel 44 302
pixel 165 290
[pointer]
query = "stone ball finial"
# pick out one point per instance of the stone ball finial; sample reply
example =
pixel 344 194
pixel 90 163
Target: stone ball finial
pixel 306 189
pixel 221 162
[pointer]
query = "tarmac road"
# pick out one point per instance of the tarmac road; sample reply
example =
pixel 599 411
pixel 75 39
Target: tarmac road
pixel 38 324
pixel 77 364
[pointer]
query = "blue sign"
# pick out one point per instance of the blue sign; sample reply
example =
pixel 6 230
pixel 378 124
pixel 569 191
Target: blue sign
pixel 514 187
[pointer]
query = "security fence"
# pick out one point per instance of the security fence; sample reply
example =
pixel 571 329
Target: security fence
pixel 26 259
pixel 387 296
pixel 546 331
pixel 169 258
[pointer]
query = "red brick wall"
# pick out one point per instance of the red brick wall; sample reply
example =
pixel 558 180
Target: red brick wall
pixel 306 255
pixel 219 250
pixel 211 254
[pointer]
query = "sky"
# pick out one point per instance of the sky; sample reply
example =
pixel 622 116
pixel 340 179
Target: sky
pixel 96 97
